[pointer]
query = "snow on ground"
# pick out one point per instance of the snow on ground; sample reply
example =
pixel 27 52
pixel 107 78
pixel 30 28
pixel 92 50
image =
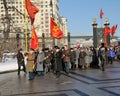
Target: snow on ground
pixel 8 65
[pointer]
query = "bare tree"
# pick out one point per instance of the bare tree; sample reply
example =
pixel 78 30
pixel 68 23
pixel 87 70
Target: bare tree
pixel 7 19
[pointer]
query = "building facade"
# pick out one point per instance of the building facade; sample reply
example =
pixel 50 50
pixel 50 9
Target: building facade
pixel 15 15
pixel 16 10
pixel 47 9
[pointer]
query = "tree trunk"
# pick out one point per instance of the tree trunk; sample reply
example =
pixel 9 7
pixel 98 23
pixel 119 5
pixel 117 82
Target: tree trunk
pixel 7 21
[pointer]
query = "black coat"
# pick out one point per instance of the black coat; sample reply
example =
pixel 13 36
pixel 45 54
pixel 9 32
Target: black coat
pixel 73 56
pixel 20 59
pixel 58 61
pixel 94 63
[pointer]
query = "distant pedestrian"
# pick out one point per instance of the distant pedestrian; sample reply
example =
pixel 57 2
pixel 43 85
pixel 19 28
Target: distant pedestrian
pixel 118 53
pixel 88 57
pixel 57 61
pixel 20 61
pixel 82 55
pixel 66 58
pixel 77 57
pixel 95 60
pixel 111 55
pixel 72 58
pixel 47 61
pixel 102 56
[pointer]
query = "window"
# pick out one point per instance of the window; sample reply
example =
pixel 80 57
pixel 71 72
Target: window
pixel 46 13
pixel 42 26
pixel 47 34
pixel 41 6
pixel 1 7
pixel 46 26
pixel 2 10
pixel 46 22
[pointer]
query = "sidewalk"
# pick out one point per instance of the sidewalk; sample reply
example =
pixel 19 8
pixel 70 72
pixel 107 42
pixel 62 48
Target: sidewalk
pixel 90 82
pixel 8 66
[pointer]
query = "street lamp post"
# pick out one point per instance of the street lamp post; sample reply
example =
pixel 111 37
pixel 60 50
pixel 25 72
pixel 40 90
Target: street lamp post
pixel 95 40
pixel 68 36
pixel 43 40
pixel 51 4
pixel 17 38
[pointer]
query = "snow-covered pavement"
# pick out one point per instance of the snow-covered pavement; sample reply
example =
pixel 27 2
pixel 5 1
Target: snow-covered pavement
pixel 8 66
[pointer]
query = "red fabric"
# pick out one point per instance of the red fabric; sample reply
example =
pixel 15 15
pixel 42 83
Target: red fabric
pixel 55 31
pixel 116 27
pixel 34 40
pixel 31 9
pixel 106 31
pixel 113 29
pixel 101 14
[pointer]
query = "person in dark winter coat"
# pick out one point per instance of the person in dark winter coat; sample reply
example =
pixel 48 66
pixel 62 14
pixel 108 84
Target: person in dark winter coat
pixel 57 61
pixel 20 61
pixel 47 61
pixel 102 56
pixel 72 59
pixel 95 61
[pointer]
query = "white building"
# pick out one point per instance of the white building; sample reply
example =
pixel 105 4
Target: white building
pixel 15 9
pixel 47 9
pixel 16 12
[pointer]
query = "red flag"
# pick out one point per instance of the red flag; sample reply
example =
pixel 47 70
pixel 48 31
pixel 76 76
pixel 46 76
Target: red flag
pixel 106 31
pixel 116 27
pixel 34 40
pixel 101 14
pixel 31 9
pixel 55 31
pixel 113 29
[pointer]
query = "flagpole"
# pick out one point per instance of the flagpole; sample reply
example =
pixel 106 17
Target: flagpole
pixel 51 5
pixel 101 23
pixel 25 28
pixel 101 16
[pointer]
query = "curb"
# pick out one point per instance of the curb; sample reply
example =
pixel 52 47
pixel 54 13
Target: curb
pixel 9 71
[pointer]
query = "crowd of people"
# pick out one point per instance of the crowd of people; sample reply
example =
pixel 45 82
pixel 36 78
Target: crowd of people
pixel 42 61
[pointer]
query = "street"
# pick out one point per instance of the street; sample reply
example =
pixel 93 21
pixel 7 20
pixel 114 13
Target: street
pixel 90 82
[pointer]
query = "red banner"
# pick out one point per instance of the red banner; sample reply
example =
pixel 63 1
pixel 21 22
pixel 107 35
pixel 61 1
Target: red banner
pixel 55 31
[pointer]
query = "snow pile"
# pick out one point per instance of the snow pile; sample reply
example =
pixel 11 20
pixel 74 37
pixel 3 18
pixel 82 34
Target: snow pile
pixel 8 65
